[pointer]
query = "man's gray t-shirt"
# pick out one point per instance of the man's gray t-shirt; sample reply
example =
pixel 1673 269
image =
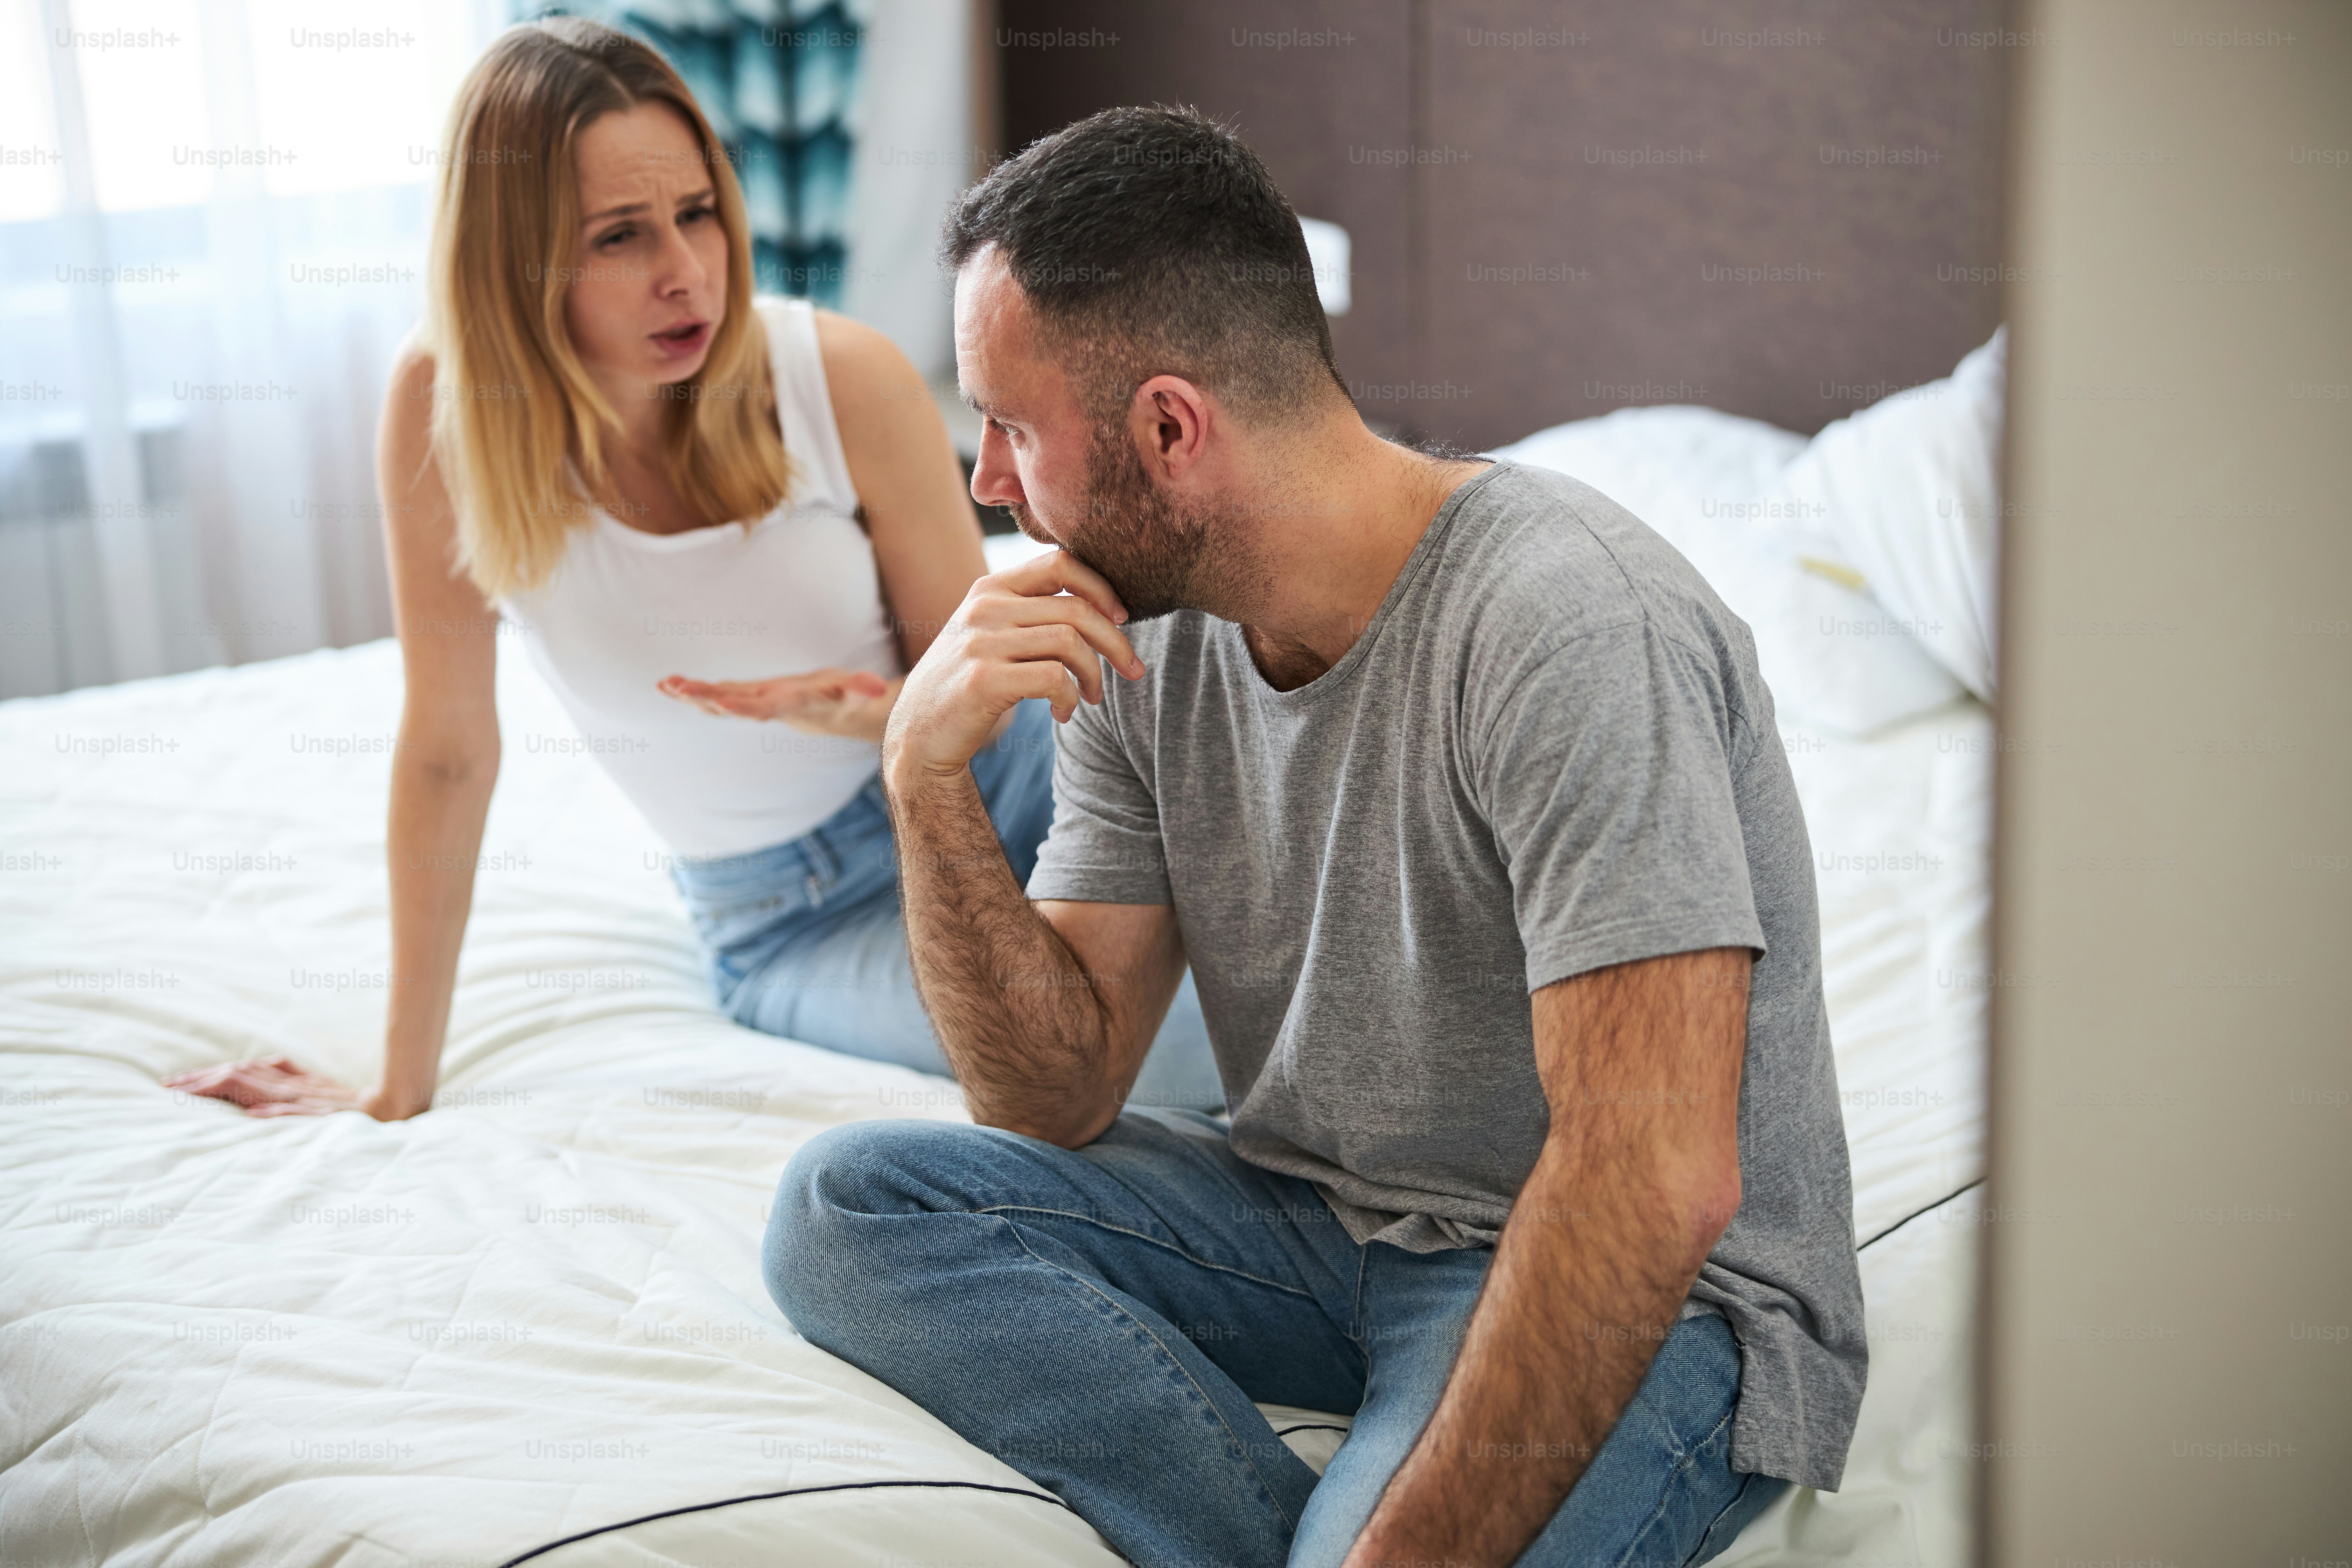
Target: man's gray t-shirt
pixel 1549 750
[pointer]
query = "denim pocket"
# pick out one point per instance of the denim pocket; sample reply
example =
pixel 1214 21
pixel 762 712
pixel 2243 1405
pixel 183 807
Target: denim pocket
pixel 737 901
pixel 722 927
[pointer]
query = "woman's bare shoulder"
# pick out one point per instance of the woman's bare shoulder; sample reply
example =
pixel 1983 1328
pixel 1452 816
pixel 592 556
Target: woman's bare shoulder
pixel 408 396
pixel 860 355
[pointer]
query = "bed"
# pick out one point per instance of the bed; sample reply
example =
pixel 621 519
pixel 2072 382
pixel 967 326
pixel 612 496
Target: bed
pixel 530 1326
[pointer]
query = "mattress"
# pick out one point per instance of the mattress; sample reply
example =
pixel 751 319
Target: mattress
pixel 531 1325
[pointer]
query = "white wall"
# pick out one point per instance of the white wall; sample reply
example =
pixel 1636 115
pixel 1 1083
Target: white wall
pixel 913 154
pixel 2167 1374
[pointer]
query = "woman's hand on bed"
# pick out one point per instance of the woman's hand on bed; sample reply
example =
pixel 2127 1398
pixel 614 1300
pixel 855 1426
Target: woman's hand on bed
pixel 277 1086
pixel 852 703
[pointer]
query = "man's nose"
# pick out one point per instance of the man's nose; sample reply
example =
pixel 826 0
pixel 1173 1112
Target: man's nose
pixel 994 480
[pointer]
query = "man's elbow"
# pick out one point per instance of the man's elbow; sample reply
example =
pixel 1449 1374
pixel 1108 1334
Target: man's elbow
pixel 1706 1204
pixel 1071 1129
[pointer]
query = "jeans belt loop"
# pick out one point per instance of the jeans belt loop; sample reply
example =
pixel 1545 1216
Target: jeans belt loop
pixel 823 864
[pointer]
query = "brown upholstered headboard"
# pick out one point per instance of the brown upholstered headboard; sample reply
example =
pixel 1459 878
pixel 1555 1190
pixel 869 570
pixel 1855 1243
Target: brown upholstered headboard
pixel 1562 209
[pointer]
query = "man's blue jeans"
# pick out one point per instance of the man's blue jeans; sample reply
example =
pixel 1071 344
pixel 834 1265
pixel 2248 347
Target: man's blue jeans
pixel 1102 1319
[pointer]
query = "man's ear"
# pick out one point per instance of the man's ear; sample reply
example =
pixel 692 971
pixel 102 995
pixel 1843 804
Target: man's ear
pixel 1170 420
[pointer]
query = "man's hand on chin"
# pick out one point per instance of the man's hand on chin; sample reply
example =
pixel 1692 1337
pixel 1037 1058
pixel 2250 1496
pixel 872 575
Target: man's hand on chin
pixel 1030 631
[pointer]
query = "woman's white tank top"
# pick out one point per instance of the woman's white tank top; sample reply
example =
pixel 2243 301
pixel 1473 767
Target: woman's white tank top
pixel 797 592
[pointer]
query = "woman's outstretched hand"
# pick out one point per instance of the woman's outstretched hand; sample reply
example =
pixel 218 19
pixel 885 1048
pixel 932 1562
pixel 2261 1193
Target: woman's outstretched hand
pixel 852 703
pixel 277 1085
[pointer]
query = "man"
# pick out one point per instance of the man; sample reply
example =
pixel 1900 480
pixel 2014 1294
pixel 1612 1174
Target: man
pixel 1461 795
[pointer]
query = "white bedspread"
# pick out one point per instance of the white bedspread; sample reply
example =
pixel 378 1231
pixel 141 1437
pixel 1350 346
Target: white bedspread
pixel 537 1312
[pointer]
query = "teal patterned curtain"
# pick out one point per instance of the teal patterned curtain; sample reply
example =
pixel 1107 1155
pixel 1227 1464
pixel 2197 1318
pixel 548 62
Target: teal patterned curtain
pixel 779 82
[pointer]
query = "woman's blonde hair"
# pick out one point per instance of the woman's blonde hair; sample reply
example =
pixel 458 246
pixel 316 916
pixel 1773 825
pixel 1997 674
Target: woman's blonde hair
pixel 511 400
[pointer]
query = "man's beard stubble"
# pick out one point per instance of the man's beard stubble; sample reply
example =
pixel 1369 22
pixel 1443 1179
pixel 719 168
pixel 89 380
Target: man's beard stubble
pixel 1157 554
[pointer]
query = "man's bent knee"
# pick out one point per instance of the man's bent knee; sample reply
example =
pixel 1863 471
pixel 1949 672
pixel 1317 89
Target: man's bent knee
pixel 820 1261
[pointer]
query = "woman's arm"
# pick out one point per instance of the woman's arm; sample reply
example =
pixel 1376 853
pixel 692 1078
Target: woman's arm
pixel 447 758
pixel 926 539
pixel 442 770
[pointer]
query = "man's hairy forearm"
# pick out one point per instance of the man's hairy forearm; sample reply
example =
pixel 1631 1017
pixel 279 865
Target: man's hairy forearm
pixel 1583 1292
pixel 1637 1179
pixel 1020 1023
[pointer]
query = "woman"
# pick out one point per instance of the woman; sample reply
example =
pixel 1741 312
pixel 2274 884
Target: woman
pixel 649 473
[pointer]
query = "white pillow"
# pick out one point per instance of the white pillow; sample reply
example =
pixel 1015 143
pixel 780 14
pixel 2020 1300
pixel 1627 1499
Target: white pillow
pixel 1710 482
pixel 1905 497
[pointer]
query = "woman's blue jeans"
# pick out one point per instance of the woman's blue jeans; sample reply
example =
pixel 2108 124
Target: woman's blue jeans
pixel 806 939
pixel 1102 1319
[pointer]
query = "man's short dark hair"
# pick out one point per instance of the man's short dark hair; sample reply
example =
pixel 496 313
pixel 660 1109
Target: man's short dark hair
pixel 1152 242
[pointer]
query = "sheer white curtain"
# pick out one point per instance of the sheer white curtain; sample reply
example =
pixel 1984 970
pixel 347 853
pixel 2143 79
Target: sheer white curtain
pixel 212 236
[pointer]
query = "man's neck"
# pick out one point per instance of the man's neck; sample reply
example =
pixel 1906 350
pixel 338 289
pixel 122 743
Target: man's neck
pixel 1328 545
